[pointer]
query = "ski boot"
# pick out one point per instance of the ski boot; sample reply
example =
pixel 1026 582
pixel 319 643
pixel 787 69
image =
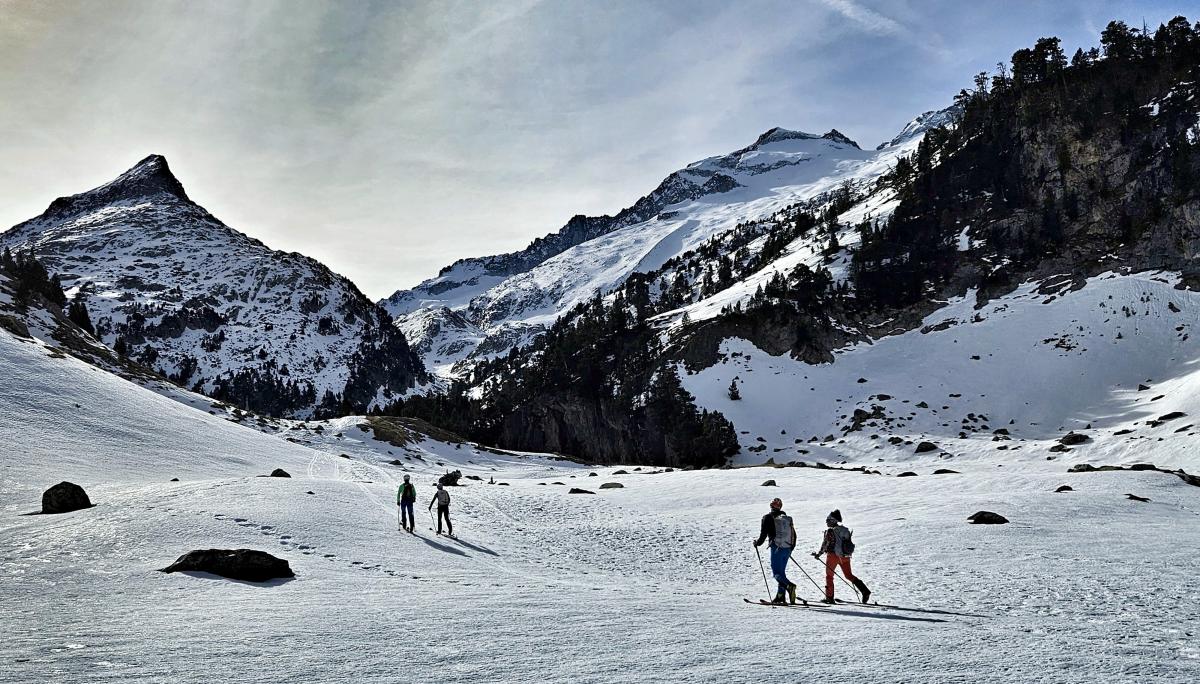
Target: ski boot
pixel 862 589
pixel 828 599
pixel 780 599
pixel 791 590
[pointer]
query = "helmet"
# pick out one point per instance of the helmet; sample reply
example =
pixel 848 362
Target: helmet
pixel 776 503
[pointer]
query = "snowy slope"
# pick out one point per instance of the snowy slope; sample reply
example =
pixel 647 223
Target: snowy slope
pixel 1035 364
pixel 696 203
pixel 203 303
pixel 638 584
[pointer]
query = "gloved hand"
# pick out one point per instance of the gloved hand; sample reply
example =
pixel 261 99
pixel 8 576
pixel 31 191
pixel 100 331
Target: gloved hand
pixel 817 556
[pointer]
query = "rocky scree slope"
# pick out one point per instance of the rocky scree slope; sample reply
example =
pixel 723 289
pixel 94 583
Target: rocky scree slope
pixel 171 287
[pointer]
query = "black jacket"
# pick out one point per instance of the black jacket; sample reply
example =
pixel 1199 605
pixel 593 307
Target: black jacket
pixel 767 529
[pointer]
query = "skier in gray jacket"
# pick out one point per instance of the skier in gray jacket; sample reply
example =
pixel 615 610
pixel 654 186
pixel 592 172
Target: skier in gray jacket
pixel 777 527
pixel 442 498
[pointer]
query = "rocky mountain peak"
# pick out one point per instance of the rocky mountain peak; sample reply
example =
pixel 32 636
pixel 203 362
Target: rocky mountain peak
pixel 150 177
pixel 837 136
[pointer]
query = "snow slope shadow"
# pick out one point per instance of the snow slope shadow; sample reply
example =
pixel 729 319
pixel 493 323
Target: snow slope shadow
pixel 477 547
pixel 443 547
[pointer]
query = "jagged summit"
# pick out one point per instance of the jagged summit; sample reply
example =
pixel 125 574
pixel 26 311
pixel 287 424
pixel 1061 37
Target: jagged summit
pixel 148 178
pixel 778 134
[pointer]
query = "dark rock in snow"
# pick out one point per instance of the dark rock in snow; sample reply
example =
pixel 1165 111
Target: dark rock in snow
pixel 1072 438
pixel 1064 488
pixel 1171 416
pixel 907 473
pixel 450 479
pixel 65 497
pixel 1057 448
pixel 239 564
pixel 769 483
pixel 987 518
pixel 945 471
pixel 576 490
pixel 1143 388
pixel 174 479
pixel 612 485
pixel 622 472
pixel 592 475
pixel 1135 497
pixel 279 472
pixel 925 447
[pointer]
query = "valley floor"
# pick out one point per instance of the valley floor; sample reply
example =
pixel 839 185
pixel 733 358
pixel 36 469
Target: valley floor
pixel 638 584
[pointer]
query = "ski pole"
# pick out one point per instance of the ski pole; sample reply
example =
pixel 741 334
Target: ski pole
pixel 764 572
pixel 844 581
pixel 810 579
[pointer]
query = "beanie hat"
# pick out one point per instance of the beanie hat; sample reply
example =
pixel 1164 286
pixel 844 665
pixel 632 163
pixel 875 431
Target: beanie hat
pixel 776 503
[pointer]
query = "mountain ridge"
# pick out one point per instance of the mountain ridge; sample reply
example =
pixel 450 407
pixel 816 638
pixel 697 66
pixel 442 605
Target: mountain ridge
pixel 213 309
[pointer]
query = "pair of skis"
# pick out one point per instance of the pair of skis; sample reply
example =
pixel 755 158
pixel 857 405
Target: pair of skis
pixel 851 604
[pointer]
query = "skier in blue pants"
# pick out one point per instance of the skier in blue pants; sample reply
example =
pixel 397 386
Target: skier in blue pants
pixel 405 497
pixel 778 528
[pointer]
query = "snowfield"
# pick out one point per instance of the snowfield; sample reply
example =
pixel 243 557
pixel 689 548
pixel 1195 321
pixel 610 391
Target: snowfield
pixel 638 584
pixel 1033 365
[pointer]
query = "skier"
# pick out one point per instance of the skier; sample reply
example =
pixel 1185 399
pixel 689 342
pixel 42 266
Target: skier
pixel 406 496
pixel 838 546
pixel 442 497
pixel 777 527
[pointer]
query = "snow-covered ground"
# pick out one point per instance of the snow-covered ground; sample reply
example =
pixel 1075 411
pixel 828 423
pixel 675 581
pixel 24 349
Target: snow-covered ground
pixel 638 584
pixel 1034 364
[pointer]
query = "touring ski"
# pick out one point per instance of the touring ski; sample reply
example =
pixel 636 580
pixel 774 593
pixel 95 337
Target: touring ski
pixel 763 602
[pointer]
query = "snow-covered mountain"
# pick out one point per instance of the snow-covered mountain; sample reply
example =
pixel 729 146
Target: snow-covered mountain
pixel 169 285
pixel 477 308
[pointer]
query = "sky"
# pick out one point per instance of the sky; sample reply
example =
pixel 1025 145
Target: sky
pixel 388 139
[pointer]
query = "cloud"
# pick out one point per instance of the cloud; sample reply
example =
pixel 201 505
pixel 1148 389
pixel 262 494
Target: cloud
pixel 867 18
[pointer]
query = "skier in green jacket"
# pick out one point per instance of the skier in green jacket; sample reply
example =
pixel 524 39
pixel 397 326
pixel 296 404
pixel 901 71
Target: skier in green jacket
pixel 405 498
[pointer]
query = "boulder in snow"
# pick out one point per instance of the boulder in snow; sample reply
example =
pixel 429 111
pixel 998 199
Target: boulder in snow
pixel 65 497
pixel 450 479
pixel 945 471
pixel 576 490
pixel 239 564
pixel 907 473
pixel 612 485
pixel 1135 497
pixel 769 483
pixel 279 472
pixel 1073 438
pixel 987 518
pixel 925 447
pixel 1064 488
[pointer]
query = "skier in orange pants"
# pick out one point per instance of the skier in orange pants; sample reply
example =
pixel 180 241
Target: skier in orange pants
pixel 838 547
